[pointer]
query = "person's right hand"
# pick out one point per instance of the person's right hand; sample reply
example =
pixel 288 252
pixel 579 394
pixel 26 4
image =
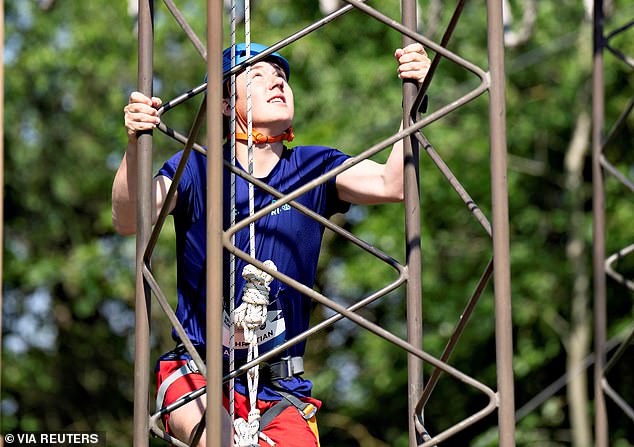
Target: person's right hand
pixel 141 113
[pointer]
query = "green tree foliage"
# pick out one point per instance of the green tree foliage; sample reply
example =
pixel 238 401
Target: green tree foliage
pixel 69 280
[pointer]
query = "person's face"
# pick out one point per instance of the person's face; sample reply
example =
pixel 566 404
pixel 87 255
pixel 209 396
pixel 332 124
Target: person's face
pixel 272 104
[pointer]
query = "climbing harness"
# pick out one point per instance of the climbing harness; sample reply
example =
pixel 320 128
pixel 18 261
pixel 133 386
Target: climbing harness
pixel 188 368
pixel 306 409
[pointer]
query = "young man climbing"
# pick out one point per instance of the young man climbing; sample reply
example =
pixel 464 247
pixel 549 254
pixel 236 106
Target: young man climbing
pixel 287 237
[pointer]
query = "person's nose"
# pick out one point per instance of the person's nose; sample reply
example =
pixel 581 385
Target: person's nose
pixel 277 82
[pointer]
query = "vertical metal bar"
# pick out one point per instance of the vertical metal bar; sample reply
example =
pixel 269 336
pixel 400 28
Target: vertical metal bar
pixel 214 223
pixel 143 230
pixel 501 258
pixel 598 206
pixel 413 247
pixel 1 174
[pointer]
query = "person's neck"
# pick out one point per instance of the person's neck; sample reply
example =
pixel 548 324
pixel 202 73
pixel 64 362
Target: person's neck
pixel 265 157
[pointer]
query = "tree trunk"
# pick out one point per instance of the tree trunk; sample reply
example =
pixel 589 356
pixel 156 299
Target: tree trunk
pixel 578 343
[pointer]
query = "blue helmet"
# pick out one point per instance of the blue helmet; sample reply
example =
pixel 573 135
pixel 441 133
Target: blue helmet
pixel 256 48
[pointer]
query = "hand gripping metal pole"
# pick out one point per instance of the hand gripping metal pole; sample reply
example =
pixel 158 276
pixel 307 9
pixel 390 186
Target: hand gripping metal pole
pixel 413 246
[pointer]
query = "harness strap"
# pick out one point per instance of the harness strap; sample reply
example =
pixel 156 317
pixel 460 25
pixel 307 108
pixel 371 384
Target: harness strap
pixel 287 367
pixel 306 409
pixel 259 137
pixel 188 368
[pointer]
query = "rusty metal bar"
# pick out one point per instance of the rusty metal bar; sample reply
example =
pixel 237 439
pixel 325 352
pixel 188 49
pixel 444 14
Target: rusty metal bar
pixel 153 283
pixel 616 275
pixel 189 32
pixel 144 224
pixel 619 122
pixel 625 58
pixel 413 255
pixel 1 172
pixel 611 169
pixel 602 266
pixel 473 207
pixel 214 226
pixel 417 37
pixel 163 214
pixel 436 61
pixel 617 399
pixel 619 352
pixel 292 38
pixel 598 206
pixel 453 340
pixel 501 257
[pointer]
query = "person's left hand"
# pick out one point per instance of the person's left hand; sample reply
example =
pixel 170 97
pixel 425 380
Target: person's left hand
pixel 413 62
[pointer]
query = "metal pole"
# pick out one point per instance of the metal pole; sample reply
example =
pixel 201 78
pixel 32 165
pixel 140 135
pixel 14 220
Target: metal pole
pixel 1 178
pixel 214 223
pixel 598 206
pixel 143 230
pixel 501 258
pixel 413 247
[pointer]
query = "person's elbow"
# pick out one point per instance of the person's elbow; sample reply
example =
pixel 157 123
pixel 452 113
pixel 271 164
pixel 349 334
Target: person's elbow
pixel 399 196
pixel 394 190
pixel 395 196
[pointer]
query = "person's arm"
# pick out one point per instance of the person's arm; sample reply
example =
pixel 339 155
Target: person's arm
pixel 140 114
pixel 369 182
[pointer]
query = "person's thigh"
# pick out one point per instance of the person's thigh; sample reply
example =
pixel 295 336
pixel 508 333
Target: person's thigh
pixel 182 422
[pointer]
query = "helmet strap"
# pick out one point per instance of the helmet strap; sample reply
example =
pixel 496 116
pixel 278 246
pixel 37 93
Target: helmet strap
pixel 259 137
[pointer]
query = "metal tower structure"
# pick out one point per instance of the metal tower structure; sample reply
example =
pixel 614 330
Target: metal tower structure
pixel 409 274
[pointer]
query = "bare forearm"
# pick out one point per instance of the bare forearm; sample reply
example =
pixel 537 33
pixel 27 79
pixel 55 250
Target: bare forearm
pixel 124 192
pixel 393 172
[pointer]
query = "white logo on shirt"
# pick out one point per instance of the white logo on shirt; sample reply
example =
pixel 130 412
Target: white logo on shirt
pixel 285 207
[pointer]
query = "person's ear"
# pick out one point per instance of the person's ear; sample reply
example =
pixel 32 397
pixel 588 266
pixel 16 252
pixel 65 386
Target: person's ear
pixel 226 107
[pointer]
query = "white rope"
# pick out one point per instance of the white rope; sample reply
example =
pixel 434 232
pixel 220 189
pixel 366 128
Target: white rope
pixel 252 312
pixel 250 315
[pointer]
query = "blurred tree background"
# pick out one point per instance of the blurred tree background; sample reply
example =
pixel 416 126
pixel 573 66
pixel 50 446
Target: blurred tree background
pixel 68 291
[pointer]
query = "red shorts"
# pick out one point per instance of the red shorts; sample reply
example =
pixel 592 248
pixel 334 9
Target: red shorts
pixel 288 429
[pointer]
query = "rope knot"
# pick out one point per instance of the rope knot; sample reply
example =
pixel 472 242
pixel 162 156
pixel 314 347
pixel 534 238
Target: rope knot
pixel 250 315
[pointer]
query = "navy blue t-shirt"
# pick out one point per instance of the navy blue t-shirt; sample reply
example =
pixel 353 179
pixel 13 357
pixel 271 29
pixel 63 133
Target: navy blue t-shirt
pixel 286 236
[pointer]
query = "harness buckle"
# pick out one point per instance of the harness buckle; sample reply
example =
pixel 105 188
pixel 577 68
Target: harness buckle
pixel 192 366
pixel 309 411
pixel 287 367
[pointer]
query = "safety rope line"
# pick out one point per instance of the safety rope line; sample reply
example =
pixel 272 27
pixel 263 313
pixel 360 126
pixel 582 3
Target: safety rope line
pixel 250 315
pixel 249 129
pixel 252 312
